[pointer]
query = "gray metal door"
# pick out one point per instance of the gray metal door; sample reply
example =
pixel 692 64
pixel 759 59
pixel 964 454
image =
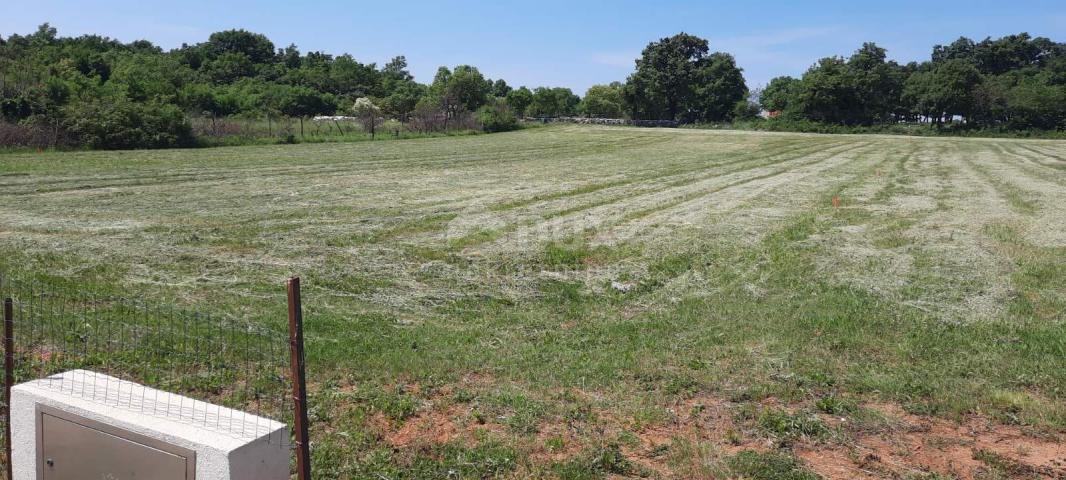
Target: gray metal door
pixel 74 448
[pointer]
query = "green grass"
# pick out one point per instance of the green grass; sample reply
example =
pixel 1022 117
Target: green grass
pixel 477 277
pixel 768 466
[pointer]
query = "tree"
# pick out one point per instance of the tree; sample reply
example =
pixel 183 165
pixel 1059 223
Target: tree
pixel 676 79
pixel 349 78
pixel 554 102
pixel 368 114
pixel 304 102
pixel 955 82
pixel 460 91
pixel 290 57
pixel 862 90
pixel 147 77
pixel 829 93
pixel 1034 104
pixel 228 67
pixel 719 87
pixel 46 35
pixel 945 91
pixel 396 70
pixel 500 89
pixel 468 87
pixel 779 94
pixel 603 101
pixel 877 84
pixel 520 99
pixel 1012 52
pixel 256 47
pixel 963 48
pixel 403 99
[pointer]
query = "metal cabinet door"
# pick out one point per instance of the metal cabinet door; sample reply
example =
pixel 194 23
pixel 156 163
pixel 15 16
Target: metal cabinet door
pixel 72 448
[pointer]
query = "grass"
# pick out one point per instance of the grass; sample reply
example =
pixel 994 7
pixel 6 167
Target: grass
pixel 768 466
pixel 469 283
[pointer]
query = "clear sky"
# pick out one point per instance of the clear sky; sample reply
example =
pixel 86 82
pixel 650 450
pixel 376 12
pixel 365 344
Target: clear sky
pixel 556 43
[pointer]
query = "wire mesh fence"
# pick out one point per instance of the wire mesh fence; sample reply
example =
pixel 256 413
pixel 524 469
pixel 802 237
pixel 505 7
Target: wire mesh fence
pixel 227 375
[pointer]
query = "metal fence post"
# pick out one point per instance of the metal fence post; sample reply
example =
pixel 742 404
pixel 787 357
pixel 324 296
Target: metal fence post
pixel 9 379
pixel 299 380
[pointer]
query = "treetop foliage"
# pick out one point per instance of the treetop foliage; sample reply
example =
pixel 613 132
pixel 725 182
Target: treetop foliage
pixel 678 79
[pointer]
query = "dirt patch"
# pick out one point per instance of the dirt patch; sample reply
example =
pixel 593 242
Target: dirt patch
pixel 433 427
pixel 703 431
pixel 967 450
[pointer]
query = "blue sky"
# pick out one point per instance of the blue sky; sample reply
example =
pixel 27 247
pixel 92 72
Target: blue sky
pixel 558 43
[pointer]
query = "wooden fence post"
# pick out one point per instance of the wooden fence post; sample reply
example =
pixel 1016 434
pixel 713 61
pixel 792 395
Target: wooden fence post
pixel 299 380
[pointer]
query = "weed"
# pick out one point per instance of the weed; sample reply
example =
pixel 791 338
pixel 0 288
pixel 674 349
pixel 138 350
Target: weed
pixel 790 426
pixel 768 466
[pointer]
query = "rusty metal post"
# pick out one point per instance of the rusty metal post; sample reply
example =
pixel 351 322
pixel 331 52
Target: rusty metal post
pixel 9 378
pixel 299 380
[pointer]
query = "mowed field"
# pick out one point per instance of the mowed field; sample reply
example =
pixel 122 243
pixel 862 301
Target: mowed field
pixel 590 302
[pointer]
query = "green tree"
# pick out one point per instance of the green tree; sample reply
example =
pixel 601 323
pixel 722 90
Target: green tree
pixel 396 70
pixel 228 68
pixel 554 102
pixel 829 92
pixel 719 87
pixel 500 88
pixel 468 87
pixel 963 49
pixel 1034 104
pixel 256 47
pixel 349 78
pixel 520 99
pixel 146 76
pixel 403 99
pixel 779 94
pixel 676 79
pixel 302 102
pixel 603 101
pixel 945 91
pixel 878 84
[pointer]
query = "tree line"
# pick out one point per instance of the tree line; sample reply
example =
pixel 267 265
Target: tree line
pixel 98 92
pixel 102 93
pixel 1013 83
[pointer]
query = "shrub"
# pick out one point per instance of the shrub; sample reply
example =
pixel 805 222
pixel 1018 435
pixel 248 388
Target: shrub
pixel 497 117
pixel 117 123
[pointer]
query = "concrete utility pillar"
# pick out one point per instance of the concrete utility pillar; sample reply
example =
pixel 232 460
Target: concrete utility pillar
pixel 82 425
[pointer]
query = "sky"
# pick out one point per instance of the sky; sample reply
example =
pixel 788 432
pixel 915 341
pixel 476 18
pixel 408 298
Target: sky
pixel 572 44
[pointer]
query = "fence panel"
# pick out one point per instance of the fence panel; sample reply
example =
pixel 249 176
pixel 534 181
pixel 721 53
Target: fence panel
pixel 129 343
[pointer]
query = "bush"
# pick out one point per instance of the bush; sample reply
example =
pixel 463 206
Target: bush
pixel 497 118
pixel 745 111
pixel 29 136
pixel 118 123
